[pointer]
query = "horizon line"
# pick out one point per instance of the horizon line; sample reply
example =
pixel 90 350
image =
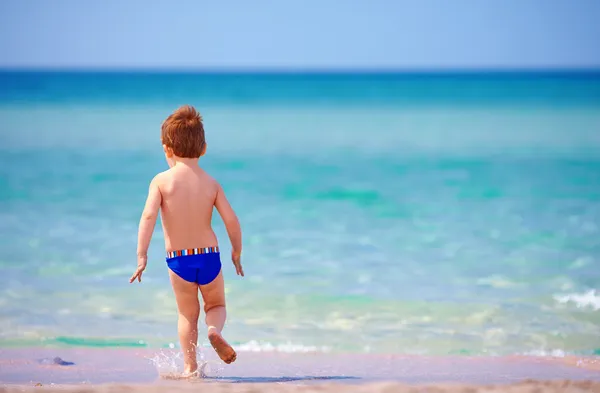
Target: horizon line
pixel 304 70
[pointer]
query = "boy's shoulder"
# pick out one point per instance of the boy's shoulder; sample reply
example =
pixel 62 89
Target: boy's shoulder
pixel 167 177
pixel 160 177
pixel 168 174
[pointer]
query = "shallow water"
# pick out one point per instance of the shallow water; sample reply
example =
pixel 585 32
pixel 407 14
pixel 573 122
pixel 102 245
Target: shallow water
pixel 409 223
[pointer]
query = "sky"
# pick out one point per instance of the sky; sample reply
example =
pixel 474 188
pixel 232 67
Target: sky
pixel 300 34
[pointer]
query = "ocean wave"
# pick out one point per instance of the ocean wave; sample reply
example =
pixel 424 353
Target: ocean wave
pixel 554 353
pixel 255 346
pixel 589 299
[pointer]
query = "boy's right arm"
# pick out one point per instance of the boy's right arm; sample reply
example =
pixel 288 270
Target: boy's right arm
pixel 232 224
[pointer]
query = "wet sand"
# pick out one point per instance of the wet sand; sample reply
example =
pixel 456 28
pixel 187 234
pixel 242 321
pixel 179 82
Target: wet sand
pixel 130 370
pixel 384 387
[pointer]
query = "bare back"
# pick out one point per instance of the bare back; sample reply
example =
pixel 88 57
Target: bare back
pixel 188 196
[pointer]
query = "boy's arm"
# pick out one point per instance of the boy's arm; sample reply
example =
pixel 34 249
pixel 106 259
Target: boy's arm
pixel 146 227
pixel 232 224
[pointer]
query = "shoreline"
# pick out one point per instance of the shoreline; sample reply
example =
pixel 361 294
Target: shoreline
pixel 100 367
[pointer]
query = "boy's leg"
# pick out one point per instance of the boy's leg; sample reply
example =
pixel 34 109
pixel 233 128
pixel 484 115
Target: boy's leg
pixel 213 295
pixel 186 295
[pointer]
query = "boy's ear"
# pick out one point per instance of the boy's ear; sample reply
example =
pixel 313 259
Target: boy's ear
pixel 167 151
pixel 204 149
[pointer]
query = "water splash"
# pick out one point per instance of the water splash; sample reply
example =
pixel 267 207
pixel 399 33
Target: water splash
pixel 169 365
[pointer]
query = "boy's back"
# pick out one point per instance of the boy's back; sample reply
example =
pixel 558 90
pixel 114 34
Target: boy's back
pixel 188 198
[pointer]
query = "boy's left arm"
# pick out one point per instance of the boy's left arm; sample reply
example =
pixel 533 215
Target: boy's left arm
pixel 146 227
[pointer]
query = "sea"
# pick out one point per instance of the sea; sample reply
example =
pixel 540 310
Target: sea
pixel 433 213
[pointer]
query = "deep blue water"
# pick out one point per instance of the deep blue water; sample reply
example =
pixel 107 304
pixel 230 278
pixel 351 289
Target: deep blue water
pixel 541 88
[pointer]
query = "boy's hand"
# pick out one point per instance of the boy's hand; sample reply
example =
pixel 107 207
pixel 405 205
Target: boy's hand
pixel 142 261
pixel 236 259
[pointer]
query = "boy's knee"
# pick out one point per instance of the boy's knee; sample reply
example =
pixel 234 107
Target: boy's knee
pixel 210 306
pixel 191 315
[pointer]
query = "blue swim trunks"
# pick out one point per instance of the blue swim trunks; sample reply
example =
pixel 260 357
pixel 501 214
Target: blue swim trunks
pixel 199 265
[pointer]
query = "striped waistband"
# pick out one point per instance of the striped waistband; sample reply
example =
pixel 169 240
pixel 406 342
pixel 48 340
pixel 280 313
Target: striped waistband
pixel 192 251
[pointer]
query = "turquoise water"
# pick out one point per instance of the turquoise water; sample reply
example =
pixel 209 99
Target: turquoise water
pixel 405 213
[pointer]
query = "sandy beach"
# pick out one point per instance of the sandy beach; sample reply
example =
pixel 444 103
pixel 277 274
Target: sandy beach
pixel 131 370
pixel 389 387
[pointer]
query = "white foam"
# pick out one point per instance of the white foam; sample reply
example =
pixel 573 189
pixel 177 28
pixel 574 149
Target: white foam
pixel 555 353
pixel 255 346
pixel 589 299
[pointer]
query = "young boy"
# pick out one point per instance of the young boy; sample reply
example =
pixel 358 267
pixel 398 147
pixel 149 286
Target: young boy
pixel 185 195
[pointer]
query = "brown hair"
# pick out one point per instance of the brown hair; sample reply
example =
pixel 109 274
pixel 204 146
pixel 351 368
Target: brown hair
pixel 183 132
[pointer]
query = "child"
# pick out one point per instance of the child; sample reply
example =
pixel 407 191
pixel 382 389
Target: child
pixel 185 195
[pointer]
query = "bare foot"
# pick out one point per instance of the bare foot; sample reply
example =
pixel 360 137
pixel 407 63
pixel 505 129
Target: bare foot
pixel 223 349
pixel 184 375
pixel 190 369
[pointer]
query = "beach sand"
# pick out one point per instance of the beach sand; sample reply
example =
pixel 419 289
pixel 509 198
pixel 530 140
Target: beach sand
pixel 143 370
pixel 382 387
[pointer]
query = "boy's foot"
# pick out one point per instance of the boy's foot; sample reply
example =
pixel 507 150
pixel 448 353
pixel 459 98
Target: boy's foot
pixel 191 369
pixel 223 349
pixel 190 375
pixel 184 375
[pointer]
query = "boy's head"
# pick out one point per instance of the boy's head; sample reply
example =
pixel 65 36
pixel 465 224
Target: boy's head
pixel 182 133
